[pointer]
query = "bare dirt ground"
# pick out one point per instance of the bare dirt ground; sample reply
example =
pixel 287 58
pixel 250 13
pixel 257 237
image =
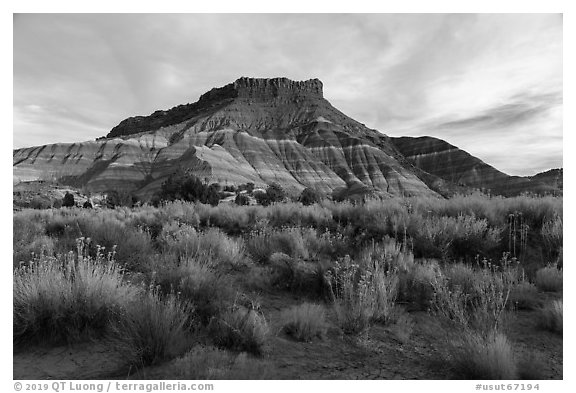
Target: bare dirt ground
pixel 379 353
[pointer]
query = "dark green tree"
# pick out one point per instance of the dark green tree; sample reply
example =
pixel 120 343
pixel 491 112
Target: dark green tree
pixel 242 200
pixel 309 196
pixel 262 198
pixel 116 198
pixel 212 194
pixel 275 193
pixel 68 200
pixel 189 188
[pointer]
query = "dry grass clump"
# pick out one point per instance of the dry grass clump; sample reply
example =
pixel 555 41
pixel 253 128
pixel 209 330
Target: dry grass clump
pixel 464 235
pixel 233 220
pixel 68 298
pixel 304 322
pixel 29 239
pixel 491 356
pixel 241 328
pixel 208 363
pixel 262 243
pixel 416 284
pixel 524 296
pixel 551 316
pixel 473 302
pixel 295 275
pixel 479 305
pixel 187 243
pixel 295 214
pixel 183 212
pixel 152 329
pixel 195 280
pixel 133 246
pixel 210 293
pixel 362 295
pixel 552 232
pixel 549 279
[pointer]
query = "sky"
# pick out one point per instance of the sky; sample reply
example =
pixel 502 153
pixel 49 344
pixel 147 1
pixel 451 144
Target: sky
pixel 490 84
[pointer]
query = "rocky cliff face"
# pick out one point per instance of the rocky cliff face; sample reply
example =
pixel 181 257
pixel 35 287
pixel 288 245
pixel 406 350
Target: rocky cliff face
pixel 252 130
pixel 454 165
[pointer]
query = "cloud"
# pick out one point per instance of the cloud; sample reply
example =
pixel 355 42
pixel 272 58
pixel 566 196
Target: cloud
pixel 453 75
pixel 520 109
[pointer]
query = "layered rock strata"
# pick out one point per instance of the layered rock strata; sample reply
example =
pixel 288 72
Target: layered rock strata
pixel 252 130
pixel 456 166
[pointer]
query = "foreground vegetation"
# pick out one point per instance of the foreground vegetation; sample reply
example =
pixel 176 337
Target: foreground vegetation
pixel 188 280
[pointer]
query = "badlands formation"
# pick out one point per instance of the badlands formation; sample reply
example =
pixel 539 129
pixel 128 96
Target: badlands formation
pixel 259 131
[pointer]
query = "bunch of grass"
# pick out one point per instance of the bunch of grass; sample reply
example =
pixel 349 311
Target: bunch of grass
pixel 304 322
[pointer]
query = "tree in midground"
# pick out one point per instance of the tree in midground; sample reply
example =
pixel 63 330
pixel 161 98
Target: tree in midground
pixel 68 200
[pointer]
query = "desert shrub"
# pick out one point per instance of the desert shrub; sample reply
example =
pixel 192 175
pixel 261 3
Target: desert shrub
pixel 460 275
pixel 211 363
pixel 39 246
pixel 440 237
pixel 477 306
pixel 552 232
pixel 196 281
pixel 183 212
pixel 41 202
pixel 241 329
pixel 283 269
pixel 294 214
pixel 309 196
pixel 549 279
pixel 551 317
pixel 234 220
pixel 186 243
pixel 149 222
pixel 55 227
pixel 29 239
pixel 294 274
pixel 209 292
pixel 153 329
pixel 524 296
pixel 68 298
pixel 387 253
pixel 325 245
pixel 415 284
pixel 25 226
pixel 477 356
pixel 242 200
pixel 261 244
pixel 304 322
pixel 133 247
pixel 362 295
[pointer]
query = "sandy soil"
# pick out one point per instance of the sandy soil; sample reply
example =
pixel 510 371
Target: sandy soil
pixel 380 353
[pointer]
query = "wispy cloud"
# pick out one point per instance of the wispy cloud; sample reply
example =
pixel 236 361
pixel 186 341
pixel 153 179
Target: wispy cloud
pixel 521 109
pixel 452 76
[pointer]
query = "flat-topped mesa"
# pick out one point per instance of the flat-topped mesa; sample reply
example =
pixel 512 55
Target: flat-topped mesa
pixel 263 89
pixel 259 90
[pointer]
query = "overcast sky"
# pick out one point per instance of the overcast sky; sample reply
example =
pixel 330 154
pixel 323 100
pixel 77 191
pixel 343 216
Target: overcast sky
pixel 489 84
